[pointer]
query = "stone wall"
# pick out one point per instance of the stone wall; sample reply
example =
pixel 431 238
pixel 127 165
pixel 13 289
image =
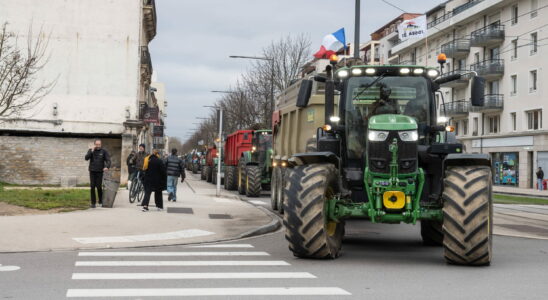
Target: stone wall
pixel 45 160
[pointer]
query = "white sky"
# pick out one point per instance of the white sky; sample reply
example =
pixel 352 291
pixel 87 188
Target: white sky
pixel 195 37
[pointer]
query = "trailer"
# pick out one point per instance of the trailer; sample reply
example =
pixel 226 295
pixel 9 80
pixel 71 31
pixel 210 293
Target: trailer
pixel 236 144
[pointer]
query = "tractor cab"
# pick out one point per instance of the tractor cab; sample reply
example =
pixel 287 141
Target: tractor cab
pixel 262 147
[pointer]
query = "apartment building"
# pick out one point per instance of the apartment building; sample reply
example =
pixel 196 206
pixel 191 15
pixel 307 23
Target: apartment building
pixel 98 51
pixel 502 41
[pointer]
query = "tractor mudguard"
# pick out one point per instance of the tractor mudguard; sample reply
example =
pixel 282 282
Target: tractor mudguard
pixel 315 158
pixel 467 159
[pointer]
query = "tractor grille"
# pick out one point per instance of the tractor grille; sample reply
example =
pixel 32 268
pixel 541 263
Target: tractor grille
pixel 380 156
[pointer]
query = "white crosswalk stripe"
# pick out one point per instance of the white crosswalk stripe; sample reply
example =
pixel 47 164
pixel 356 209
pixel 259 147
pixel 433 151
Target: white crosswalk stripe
pixel 203 266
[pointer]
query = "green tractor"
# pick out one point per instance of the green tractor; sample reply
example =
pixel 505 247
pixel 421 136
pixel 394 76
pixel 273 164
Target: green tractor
pixel 384 157
pixel 258 163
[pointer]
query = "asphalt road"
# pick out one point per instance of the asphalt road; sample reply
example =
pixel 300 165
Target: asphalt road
pixel 378 262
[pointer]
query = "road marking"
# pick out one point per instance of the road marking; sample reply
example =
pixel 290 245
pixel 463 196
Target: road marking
pixel 249 275
pixel 140 263
pixel 224 200
pixel 258 202
pixel 268 291
pixel 8 268
pixel 183 234
pixel 224 246
pixel 251 253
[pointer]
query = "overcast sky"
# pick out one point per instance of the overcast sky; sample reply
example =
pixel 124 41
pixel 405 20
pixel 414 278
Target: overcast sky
pixel 190 51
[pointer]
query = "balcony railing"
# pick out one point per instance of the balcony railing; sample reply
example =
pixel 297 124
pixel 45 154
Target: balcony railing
pixel 150 19
pixel 493 103
pixel 489 68
pixel 463 81
pixel 455 108
pixel 448 15
pixel 488 35
pixel 145 58
pixel 456 48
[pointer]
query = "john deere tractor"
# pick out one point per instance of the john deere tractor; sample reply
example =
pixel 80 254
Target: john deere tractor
pixel 258 163
pixel 384 157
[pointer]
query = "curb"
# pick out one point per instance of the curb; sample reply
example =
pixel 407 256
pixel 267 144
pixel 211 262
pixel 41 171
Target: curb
pixel 522 195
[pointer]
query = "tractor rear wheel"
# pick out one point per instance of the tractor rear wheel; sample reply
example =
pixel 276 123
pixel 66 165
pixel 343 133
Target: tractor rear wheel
pixel 274 191
pixel 241 177
pixel 468 215
pixel 284 173
pixel 253 181
pixel 432 233
pixel 309 232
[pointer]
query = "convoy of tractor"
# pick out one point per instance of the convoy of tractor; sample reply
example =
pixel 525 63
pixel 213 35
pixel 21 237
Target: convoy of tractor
pixel 360 141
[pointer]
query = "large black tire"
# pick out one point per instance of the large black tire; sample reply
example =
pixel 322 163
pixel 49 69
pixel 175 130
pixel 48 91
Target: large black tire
pixel 194 169
pixel 253 181
pixel 468 215
pixel 214 175
pixel 241 177
pixel 284 172
pixel 231 183
pixel 203 174
pixel 275 188
pixel 431 233
pixel 309 233
pixel 208 173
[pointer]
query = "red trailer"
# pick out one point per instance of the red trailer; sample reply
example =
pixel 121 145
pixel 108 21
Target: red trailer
pixel 207 169
pixel 236 144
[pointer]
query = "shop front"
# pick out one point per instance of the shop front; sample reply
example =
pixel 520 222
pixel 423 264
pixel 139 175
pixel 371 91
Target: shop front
pixel 506 168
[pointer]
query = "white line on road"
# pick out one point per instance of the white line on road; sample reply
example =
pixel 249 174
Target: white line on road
pixel 249 275
pixel 223 246
pixel 167 263
pixel 269 291
pixel 258 202
pixel 205 253
pixel 182 234
pixel 9 268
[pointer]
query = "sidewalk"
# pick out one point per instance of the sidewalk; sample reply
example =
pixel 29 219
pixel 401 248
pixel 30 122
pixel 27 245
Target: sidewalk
pixel 519 191
pixel 197 217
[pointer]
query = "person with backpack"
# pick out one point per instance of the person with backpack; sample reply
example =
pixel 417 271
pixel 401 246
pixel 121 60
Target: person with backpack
pixel 175 169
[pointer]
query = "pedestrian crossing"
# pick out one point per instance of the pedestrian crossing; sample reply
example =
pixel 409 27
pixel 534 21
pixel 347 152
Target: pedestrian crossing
pixel 190 272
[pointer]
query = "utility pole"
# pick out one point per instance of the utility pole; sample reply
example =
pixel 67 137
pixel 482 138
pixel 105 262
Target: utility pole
pixel 357 30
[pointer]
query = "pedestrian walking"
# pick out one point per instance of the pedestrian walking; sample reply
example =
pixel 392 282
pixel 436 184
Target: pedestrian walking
pixel 99 162
pixel 540 179
pixel 175 169
pixel 131 166
pixel 155 180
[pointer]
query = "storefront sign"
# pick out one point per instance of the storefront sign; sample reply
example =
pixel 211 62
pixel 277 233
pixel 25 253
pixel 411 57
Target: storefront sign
pixel 151 115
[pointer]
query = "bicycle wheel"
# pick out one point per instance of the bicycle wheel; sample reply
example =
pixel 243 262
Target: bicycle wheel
pixel 132 192
pixel 141 193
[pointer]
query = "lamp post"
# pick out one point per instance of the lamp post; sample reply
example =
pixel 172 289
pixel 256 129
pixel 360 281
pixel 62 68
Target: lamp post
pixel 220 110
pixel 271 60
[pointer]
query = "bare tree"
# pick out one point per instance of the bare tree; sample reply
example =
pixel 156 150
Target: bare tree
pixel 19 68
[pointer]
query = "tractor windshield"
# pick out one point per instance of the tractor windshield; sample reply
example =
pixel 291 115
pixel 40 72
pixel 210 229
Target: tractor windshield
pixel 389 95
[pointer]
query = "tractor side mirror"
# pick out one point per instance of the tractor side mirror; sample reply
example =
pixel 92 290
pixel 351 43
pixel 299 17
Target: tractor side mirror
pixel 304 93
pixel 478 91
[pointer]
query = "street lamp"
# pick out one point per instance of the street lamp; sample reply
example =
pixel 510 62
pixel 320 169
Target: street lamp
pixel 220 147
pixel 271 60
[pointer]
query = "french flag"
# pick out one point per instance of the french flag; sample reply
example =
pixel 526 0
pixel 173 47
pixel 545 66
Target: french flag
pixel 331 44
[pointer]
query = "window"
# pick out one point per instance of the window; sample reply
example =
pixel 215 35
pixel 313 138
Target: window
pixel 513 85
pixel 493 123
pixel 476 57
pixel 465 127
pixel 533 81
pixel 456 124
pixel 514 49
pixel 534 43
pixel 475 127
pixel 515 14
pixel 534 7
pixel 513 120
pixel 534 119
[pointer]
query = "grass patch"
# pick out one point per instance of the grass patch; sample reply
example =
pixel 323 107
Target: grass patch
pixel 63 199
pixel 511 199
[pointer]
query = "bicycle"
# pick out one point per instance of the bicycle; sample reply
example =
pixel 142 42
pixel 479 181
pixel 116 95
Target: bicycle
pixel 136 189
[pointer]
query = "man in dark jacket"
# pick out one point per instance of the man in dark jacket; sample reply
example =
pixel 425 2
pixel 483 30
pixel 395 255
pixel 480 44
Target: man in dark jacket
pixel 175 168
pixel 140 157
pixel 131 166
pixel 540 179
pixel 99 162
pixel 155 180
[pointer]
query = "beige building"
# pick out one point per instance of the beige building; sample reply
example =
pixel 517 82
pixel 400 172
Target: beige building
pixel 502 41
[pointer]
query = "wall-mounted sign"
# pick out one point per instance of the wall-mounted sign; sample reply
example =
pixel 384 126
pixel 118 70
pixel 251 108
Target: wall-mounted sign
pixel 151 115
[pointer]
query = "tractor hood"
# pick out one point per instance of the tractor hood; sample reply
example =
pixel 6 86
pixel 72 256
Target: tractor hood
pixel 392 122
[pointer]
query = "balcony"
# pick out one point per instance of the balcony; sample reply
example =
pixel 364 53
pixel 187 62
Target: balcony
pixel 448 15
pixel 490 69
pixel 146 65
pixel 457 48
pixel 493 103
pixel 489 35
pixel 459 83
pixel 456 108
pixel 149 18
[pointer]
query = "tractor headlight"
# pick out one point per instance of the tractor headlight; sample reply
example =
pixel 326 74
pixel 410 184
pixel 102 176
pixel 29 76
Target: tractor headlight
pixel 377 136
pixel 253 149
pixel 343 73
pixel 409 136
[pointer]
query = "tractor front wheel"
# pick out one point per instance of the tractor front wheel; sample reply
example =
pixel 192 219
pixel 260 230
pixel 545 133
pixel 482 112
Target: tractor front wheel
pixel 203 173
pixel 253 181
pixel 241 177
pixel 468 215
pixel 308 230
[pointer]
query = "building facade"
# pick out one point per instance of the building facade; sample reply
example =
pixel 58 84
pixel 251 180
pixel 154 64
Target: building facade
pixel 501 41
pixel 98 54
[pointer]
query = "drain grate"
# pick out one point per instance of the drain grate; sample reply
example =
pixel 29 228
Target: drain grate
pixel 180 210
pixel 219 216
